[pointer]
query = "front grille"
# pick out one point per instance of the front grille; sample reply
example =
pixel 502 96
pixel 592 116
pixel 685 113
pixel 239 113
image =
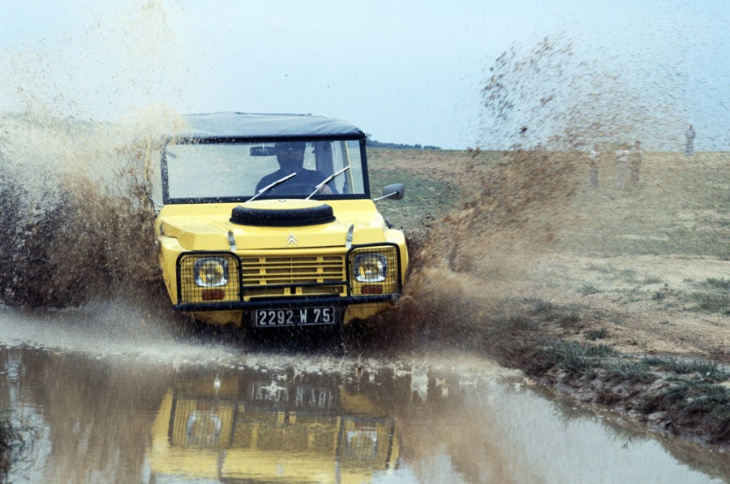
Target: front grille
pixel 259 271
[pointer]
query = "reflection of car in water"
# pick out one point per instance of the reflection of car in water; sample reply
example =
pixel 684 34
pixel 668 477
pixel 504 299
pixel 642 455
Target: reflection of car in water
pixel 267 221
pixel 250 428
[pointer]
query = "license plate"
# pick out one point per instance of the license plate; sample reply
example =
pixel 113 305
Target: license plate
pixel 265 318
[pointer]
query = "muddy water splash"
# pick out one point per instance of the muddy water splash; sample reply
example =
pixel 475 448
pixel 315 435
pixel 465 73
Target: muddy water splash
pixel 76 217
pixel 567 96
pixel 546 107
pixel 77 220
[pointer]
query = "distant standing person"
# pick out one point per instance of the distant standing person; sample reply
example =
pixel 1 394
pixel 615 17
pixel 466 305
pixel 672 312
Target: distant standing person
pixel 690 134
pixel 622 159
pixel 594 159
pixel 635 163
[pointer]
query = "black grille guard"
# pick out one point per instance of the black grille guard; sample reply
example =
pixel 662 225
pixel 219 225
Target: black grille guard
pixel 287 302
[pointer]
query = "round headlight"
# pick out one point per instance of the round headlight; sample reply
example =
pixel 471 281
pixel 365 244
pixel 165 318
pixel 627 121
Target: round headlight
pixel 370 267
pixel 211 272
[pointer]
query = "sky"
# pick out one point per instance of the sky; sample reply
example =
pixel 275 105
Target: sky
pixel 404 71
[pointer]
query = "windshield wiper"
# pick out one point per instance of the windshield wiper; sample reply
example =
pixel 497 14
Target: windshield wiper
pixel 326 181
pixel 272 185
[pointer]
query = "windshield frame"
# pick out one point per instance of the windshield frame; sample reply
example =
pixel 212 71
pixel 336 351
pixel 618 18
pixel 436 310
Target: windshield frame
pixel 166 199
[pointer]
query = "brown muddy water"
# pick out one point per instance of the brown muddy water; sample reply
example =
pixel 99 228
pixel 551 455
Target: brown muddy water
pixel 108 394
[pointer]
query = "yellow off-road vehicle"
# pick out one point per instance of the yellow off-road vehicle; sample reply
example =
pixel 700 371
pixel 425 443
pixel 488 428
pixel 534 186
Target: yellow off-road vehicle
pixel 267 221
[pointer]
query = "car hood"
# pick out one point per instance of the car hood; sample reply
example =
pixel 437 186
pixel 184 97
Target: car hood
pixel 209 226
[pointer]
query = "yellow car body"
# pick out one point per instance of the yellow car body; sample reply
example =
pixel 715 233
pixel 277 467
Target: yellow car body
pixel 292 255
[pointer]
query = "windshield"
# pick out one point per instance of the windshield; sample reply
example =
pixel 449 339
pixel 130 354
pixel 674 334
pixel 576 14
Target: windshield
pixel 221 171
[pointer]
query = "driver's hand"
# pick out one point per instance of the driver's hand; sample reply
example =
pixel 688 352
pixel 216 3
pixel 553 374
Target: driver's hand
pixel 325 190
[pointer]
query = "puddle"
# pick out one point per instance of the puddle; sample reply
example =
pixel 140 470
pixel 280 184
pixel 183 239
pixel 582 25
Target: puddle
pixel 180 413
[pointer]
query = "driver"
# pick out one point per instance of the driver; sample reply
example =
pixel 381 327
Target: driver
pixel 290 156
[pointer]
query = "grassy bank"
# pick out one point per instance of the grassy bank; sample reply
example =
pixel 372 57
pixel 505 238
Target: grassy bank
pixel 682 396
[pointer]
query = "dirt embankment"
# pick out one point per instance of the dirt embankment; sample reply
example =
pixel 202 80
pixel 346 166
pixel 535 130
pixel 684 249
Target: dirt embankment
pixel 618 294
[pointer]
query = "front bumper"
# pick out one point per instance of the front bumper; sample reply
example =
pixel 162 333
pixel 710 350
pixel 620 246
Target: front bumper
pixel 288 302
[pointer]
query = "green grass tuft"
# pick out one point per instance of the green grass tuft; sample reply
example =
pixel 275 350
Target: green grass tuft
pixel 573 358
pixel 703 370
pixel 630 370
pixel 711 302
pixel 723 283
pixel 588 289
pixel 595 334
pixel 653 280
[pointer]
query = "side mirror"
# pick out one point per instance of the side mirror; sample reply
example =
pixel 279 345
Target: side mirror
pixel 393 192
